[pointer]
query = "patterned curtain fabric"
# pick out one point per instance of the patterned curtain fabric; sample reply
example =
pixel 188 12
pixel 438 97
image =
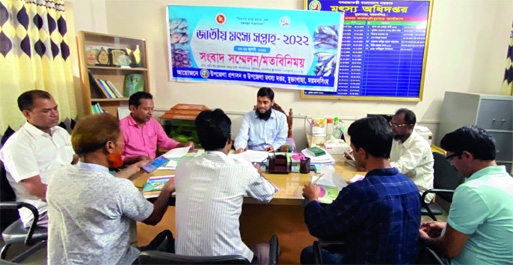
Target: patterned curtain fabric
pixel 34 54
pixel 507 86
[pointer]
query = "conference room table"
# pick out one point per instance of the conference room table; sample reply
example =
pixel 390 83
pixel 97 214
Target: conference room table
pixel 282 216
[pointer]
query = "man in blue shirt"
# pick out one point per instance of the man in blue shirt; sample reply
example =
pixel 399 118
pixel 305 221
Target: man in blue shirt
pixel 263 129
pixel 377 217
pixel 479 228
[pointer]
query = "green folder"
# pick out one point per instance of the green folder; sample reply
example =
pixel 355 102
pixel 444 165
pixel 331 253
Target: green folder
pixel 316 151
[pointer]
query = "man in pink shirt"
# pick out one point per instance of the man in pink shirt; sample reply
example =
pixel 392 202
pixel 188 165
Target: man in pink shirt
pixel 142 133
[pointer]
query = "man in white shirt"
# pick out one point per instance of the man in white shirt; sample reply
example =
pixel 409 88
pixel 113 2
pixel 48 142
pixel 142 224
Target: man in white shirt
pixel 263 129
pixel 411 154
pixel 209 193
pixel 35 151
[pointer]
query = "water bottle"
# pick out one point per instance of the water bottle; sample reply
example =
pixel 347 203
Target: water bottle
pixel 329 128
pixel 336 128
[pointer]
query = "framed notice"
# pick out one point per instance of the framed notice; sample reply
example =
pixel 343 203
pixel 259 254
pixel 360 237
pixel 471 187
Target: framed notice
pixel 384 49
pixel 294 49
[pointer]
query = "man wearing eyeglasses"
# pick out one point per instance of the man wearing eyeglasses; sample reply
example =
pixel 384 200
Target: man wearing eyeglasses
pixel 411 153
pixel 479 228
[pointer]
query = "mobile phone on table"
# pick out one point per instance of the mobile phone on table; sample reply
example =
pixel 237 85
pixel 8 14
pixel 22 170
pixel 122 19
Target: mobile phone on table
pixel 156 163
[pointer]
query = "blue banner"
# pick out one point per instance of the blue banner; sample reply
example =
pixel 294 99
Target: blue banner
pixel 293 49
pixel 384 48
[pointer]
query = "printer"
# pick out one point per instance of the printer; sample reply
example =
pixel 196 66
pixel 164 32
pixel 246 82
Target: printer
pixel 424 132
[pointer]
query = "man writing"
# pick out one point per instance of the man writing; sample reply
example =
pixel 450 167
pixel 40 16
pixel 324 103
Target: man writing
pixel 263 129
pixel 411 154
pixel 35 151
pixel 377 216
pixel 142 133
pixel 479 228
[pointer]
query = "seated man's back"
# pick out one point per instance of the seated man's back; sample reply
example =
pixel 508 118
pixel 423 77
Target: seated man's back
pixel 84 200
pixel 377 218
pixel 209 193
pixel 89 209
pixel 210 190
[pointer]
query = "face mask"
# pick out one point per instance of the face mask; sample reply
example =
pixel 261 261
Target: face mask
pixel 115 160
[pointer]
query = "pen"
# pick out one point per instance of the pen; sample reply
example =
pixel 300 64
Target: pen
pixel 315 181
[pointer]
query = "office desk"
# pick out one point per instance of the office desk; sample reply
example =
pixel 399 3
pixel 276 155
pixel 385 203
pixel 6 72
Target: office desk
pixel 319 142
pixel 283 216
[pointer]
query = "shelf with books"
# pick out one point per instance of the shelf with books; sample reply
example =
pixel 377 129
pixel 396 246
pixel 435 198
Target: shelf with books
pixel 108 99
pixel 112 68
pixel 117 68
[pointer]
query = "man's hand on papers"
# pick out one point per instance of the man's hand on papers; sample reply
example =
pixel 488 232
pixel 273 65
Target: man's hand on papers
pixel 311 192
pixel 270 148
pixel 189 143
pixel 133 171
pixel 169 186
pixel 240 150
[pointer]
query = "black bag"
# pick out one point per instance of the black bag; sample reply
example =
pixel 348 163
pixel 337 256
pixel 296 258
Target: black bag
pixel 164 242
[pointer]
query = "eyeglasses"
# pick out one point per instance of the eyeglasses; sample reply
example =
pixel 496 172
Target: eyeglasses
pixel 451 157
pixel 395 125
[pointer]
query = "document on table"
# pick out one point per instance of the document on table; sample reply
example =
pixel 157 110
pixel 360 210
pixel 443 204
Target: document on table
pixel 176 152
pixel 252 156
pixel 329 178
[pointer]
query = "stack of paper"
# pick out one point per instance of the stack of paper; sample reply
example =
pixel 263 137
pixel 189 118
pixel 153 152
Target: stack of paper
pixel 323 159
pixel 176 152
pixel 329 183
pixel 251 156
pixel 330 178
pixel 154 186
pixel 176 155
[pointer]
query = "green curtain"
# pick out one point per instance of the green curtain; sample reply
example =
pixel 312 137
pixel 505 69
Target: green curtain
pixel 34 54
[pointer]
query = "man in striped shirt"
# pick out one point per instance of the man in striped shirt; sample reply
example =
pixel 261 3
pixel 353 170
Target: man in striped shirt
pixel 209 193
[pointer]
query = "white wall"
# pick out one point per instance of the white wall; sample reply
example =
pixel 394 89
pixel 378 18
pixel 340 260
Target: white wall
pixel 467 51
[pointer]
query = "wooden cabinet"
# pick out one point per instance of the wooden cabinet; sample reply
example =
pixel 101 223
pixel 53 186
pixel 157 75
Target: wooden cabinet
pixel 108 61
pixel 494 113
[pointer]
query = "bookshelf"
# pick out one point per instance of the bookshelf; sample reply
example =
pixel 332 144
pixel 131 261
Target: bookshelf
pixel 105 62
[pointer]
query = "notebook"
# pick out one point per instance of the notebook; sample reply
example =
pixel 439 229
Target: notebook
pixel 154 186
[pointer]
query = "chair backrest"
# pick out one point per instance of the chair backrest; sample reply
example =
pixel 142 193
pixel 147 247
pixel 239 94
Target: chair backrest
pixel 289 117
pixel 6 191
pixel 6 195
pixel 158 257
pixel 445 176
